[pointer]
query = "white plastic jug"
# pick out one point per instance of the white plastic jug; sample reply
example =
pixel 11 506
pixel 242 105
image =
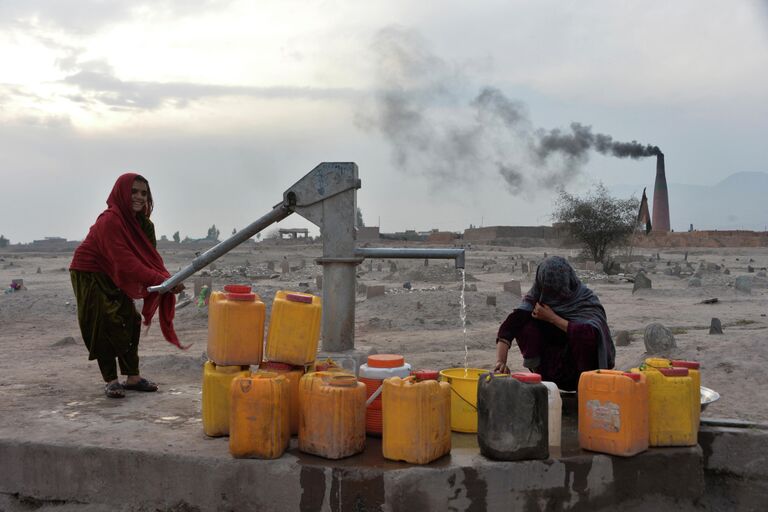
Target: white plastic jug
pixel 555 413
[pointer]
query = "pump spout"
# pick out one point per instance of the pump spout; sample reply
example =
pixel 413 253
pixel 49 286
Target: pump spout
pixel 392 253
pixel 277 214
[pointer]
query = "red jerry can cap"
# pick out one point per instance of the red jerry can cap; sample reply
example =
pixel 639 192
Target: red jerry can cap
pixel 693 365
pixel 237 288
pixel 634 376
pixel 531 378
pixel 299 297
pixel 426 374
pixel 385 360
pixel 674 372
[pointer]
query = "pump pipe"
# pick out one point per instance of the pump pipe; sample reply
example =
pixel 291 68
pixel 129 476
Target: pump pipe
pixel 277 214
pixel 393 253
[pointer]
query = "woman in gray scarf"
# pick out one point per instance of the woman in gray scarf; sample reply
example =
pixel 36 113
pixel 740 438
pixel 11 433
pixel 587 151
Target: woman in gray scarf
pixel 560 327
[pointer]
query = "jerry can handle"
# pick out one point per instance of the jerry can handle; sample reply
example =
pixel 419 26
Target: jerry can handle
pixel 374 395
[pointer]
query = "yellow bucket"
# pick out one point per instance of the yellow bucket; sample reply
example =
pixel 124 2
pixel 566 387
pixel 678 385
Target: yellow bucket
pixel 463 397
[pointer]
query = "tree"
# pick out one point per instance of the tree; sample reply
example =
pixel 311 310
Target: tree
pixel 4 241
pixel 597 220
pixel 176 237
pixel 360 222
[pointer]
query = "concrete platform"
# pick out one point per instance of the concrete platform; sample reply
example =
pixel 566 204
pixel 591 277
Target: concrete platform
pixel 65 447
pixel 177 468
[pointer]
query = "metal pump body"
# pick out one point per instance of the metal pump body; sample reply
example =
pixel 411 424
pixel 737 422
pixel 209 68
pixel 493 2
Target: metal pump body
pixel 327 197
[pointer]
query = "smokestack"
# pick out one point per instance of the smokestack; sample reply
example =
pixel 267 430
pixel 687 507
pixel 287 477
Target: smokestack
pixel 660 216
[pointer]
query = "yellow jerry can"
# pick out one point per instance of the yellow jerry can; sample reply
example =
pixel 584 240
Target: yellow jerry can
pixel 259 422
pixel 294 328
pixel 216 383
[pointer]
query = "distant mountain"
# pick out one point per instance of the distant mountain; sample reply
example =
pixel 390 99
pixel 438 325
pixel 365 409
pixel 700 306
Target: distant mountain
pixel 740 201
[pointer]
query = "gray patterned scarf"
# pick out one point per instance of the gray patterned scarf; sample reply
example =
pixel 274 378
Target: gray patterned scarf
pixel 557 286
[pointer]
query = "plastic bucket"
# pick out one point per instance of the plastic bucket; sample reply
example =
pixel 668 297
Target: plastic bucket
pixel 463 397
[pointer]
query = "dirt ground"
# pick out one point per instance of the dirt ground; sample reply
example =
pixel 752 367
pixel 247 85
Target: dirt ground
pixel 49 389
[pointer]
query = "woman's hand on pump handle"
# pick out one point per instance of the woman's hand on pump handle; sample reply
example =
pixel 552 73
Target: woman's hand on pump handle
pixel 178 288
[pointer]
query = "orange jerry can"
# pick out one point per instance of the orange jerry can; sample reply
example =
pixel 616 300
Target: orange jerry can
pixel 417 419
pixel 235 326
pixel 332 418
pixel 613 412
pixel 217 381
pixel 293 374
pixel 259 422
pixel 294 328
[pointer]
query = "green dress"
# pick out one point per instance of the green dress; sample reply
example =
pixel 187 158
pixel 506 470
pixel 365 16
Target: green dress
pixel 108 319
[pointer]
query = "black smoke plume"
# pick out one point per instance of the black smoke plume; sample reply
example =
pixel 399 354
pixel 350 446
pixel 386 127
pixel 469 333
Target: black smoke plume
pixel 432 131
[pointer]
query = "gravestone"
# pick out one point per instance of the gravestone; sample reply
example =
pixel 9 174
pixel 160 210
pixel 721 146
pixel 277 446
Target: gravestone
pixel 599 266
pixel 513 287
pixel 715 327
pixel 376 290
pixel 490 300
pixel 658 339
pixel 743 284
pixel 285 267
pixel 319 282
pixel 623 338
pixel 392 267
pixel 426 262
pixel 270 265
pixel 642 282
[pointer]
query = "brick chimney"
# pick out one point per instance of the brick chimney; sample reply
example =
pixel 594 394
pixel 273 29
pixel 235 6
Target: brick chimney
pixel 660 215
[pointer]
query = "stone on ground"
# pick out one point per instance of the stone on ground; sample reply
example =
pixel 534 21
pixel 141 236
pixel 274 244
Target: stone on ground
pixel 694 282
pixel 743 284
pixel 622 338
pixel 642 282
pixel 513 287
pixel 715 327
pixel 658 339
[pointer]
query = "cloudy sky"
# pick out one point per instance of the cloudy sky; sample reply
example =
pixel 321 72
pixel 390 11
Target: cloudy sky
pixel 446 106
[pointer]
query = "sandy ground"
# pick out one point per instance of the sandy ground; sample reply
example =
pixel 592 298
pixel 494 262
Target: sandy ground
pixel 50 389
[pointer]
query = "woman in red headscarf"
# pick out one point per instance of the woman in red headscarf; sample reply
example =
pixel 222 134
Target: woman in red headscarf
pixel 114 265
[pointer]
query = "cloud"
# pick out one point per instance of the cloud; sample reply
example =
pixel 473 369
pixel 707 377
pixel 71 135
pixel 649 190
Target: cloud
pixel 98 84
pixel 89 16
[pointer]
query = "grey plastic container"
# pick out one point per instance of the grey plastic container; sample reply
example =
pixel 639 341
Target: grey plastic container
pixel 512 418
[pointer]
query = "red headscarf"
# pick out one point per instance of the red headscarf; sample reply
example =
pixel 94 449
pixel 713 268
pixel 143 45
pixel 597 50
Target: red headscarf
pixel 117 246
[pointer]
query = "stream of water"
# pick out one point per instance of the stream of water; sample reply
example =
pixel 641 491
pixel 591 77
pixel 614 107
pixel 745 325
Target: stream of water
pixel 463 315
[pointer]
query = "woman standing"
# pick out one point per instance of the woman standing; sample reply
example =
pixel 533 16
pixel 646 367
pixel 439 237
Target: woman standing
pixel 114 265
pixel 560 327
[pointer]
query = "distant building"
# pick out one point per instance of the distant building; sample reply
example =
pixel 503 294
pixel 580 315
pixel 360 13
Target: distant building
pixel 368 234
pixel 492 233
pixel 293 233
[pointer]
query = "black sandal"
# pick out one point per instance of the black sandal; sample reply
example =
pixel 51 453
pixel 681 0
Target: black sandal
pixel 114 390
pixel 142 385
